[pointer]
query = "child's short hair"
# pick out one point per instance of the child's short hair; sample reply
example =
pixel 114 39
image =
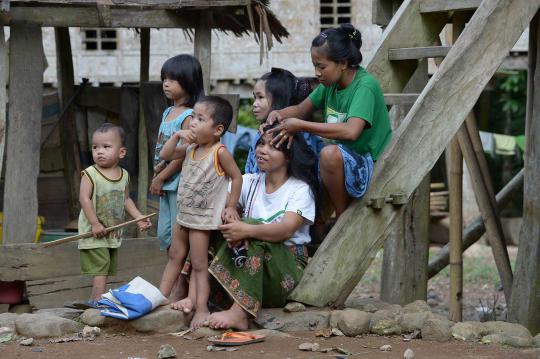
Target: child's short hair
pixel 222 112
pixel 187 70
pixel 107 126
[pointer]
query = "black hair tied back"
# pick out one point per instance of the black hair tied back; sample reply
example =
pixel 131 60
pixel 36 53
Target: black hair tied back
pixel 341 43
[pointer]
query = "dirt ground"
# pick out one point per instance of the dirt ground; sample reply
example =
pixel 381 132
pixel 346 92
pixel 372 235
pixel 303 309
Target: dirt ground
pixel 142 346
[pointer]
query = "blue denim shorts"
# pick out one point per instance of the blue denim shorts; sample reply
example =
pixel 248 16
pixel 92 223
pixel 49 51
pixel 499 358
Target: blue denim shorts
pixel 358 170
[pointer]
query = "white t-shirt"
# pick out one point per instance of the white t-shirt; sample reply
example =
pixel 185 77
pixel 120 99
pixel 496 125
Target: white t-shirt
pixel 293 196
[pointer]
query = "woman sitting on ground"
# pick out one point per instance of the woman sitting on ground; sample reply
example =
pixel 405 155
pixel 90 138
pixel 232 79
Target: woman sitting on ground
pixel 278 206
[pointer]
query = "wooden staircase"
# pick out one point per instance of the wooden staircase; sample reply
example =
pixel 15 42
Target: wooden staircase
pixel 435 117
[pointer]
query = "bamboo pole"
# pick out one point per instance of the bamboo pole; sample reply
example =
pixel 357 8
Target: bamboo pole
pixel 455 185
pixel 142 181
pixel 456 227
pixel 492 222
pixel 90 234
pixel 476 228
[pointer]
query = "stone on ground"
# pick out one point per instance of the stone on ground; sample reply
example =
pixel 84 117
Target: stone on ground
pixel 386 322
pixel 45 325
pixel 418 306
pixel 353 322
pixel 90 332
pixel 413 321
pixel 503 339
pixel 370 305
pixel 536 341
pixel 292 307
pixel 4 308
pixel 93 318
pixel 437 330
pixel 68 313
pixel 468 330
pixel 295 322
pixel 408 354
pixel 385 348
pixel 508 329
pixel 27 342
pixel 8 320
pixel 21 309
pixel 335 316
pixel 162 320
pixel 166 351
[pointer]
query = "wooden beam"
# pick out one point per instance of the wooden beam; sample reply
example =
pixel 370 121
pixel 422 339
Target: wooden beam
pixel 33 262
pixel 416 53
pixel 68 132
pixel 430 6
pixel 525 307
pixel 203 47
pixel 353 242
pixel 4 73
pixel 89 17
pixel 142 179
pixel 476 228
pixel 407 29
pixel 24 133
pixel 489 214
pixel 144 4
pixel 404 270
pixel 400 98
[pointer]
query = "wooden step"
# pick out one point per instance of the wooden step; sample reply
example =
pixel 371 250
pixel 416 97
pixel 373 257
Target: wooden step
pixel 416 53
pixel 400 98
pixel 431 6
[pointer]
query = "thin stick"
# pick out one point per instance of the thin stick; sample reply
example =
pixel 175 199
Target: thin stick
pixel 89 234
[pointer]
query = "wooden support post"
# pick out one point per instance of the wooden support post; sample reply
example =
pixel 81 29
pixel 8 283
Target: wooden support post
pixel 142 184
pixel 491 219
pixel 456 231
pixel 476 228
pixel 455 185
pixel 203 46
pixel 525 304
pixel 67 126
pixel 404 270
pixel 24 133
pixel 4 72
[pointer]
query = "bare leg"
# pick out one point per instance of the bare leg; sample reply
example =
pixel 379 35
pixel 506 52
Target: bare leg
pixel 179 289
pixel 198 243
pixel 233 318
pixel 177 254
pixel 98 286
pixel 333 177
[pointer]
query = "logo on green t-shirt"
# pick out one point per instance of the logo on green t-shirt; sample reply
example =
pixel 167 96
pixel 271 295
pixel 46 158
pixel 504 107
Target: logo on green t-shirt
pixel 332 116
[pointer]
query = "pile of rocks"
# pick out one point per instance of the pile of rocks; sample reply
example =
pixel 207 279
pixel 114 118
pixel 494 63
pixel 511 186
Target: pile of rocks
pixel 414 320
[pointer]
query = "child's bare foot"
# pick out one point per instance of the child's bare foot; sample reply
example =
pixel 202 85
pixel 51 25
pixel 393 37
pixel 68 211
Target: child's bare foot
pixel 200 319
pixel 234 318
pixel 165 302
pixel 185 305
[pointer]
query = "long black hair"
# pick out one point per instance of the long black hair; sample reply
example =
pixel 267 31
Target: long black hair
pixel 185 69
pixel 342 43
pixel 284 88
pixel 302 162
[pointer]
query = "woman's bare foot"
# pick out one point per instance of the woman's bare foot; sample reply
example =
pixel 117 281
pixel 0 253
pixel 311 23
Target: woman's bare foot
pixel 185 305
pixel 200 319
pixel 234 318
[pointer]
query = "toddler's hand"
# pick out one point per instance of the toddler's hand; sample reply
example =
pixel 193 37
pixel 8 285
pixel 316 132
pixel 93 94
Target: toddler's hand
pixel 144 225
pixel 186 135
pixel 155 186
pixel 98 230
pixel 229 214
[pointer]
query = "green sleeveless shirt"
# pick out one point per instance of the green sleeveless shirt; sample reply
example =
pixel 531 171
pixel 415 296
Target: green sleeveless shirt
pixel 108 198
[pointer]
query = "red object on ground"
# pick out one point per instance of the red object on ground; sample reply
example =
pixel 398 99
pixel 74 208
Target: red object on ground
pixel 11 292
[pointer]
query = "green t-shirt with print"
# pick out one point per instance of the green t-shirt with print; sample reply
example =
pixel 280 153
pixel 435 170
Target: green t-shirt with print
pixel 364 99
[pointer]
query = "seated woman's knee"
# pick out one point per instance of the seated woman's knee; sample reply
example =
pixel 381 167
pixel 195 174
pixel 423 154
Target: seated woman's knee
pixel 330 157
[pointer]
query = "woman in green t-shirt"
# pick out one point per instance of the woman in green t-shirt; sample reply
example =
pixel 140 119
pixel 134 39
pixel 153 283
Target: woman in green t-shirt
pixel 356 118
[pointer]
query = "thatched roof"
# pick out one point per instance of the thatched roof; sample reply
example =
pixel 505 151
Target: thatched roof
pixel 231 16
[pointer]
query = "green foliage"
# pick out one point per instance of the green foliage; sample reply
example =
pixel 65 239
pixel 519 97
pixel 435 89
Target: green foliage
pixel 245 118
